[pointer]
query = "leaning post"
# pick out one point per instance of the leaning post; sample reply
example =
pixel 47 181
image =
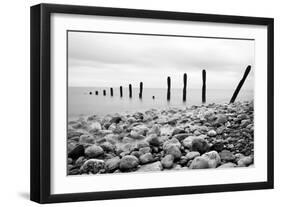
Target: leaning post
pixel 235 94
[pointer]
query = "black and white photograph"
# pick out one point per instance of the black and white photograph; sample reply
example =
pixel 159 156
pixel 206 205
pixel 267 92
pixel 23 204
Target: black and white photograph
pixel 144 103
pixel 134 103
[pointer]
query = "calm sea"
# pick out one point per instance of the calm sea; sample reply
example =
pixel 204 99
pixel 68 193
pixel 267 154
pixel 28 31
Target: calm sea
pixel 81 103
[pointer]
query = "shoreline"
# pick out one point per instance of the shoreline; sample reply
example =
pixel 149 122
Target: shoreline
pixel 176 138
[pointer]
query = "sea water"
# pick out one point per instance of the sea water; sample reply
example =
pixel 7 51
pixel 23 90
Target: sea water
pixel 81 103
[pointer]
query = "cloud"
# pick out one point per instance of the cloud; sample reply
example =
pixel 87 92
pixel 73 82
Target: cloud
pixel 102 59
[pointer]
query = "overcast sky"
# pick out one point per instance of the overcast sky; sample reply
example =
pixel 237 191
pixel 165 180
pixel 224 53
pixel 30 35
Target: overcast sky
pixel 111 60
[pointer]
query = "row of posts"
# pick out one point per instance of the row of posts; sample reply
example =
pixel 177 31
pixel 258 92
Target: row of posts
pixel 247 71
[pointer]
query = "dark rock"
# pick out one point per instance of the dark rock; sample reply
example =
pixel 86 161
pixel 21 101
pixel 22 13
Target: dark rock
pixel 74 171
pixel 74 139
pixel 123 154
pixel 189 163
pixel 191 155
pixel 128 162
pixel 136 135
pixel 199 145
pixel 71 145
pixel 227 156
pixel 217 146
pixel 183 161
pixel 242 116
pixel 128 140
pixel 94 151
pixel 220 119
pixel 112 164
pixel 138 116
pixel 71 134
pixel 146 158
pixel 168 161
pixel 245 161
pixel 220 130
pixel 142 144
pixel 129 147
pixel 86 139
pixel 77 152
pixel 77 126
pixel 245 123
pixel 213 158
pixel 174 150
pixel 153 139
pixel 209 115
pixel 187 142
pixel 199 163
pixel 136 154
pixel 80 161
pixel 172 121
pixel 178 131
pixel 181 136
pixel 92 165
pixel 154 130
pixel 107 156
pixel 107 147
pixel 92 118
pixel 172 141
pixel 115 120
pixel 145 150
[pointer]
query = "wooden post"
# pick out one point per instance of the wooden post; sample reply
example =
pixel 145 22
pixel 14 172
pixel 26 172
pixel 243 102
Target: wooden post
pixel 169 88
pixel 184 87
pixel 247 71
pixel 104 92
pixel 141 87
pixel 111 91
pixel 204 86
pixel 121 91
pixel 97 93
pixel 130 90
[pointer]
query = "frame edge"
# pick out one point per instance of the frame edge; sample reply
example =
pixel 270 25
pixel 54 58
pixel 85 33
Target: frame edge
pixel 35 138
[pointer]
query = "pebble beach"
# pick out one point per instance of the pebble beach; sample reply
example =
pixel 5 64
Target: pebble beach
pixel 183 138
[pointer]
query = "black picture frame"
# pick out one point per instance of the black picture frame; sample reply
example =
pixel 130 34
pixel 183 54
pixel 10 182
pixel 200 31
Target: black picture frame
pixel 41 102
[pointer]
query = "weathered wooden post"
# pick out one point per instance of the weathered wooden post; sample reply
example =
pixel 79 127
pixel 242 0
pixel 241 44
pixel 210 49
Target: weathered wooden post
pixel 141 88
pixel 130 90
pixel 104 92
pixel 247 71
pixel 121 91
pixel 184 87
pixel 169 88
pixel 111 91
pixel 97 93
pixel 204 86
